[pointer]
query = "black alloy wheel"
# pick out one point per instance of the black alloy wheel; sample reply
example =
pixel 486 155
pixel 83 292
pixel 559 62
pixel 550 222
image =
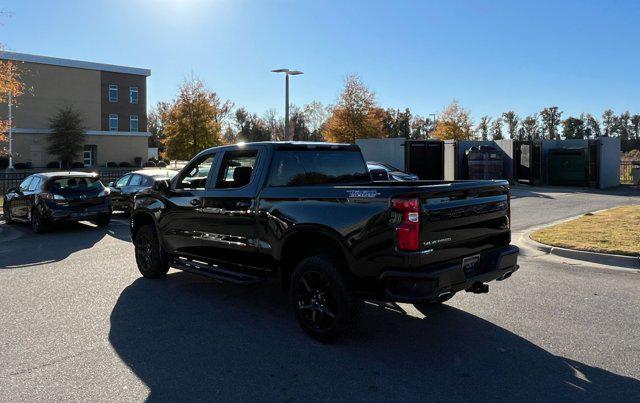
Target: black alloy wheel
pixel 143 252
pixel 315 301
pixel 150 260
pixel 321 299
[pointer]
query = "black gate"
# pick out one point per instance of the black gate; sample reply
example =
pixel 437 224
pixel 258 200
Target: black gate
pixel 594 163
pixel 425 159
pixel 528 162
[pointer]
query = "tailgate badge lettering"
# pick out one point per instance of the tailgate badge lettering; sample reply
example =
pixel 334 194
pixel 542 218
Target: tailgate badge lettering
pixel 369 194
pixel 436 241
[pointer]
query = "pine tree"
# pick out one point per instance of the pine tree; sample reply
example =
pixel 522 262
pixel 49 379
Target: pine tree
pixel 67 135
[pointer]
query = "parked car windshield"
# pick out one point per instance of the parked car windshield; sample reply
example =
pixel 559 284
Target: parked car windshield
pixel 380 165
pixel 74 185
pixel 314 167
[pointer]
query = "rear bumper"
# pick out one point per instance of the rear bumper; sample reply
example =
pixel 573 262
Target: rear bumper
pixel 76 213
pixel 429 282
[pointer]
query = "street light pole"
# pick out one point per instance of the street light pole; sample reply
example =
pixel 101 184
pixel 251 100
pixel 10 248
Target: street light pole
pixel 287 73
pixel 433 123
pixel 286 108
pixel 10 167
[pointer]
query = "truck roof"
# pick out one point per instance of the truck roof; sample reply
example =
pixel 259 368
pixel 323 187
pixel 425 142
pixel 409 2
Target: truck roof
pixel 287 145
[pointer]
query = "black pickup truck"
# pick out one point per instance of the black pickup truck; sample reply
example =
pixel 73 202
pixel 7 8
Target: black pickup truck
pixel 309 214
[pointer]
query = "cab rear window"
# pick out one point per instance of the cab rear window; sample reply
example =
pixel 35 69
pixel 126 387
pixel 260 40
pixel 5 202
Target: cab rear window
pixel 73 184
pixel 316 167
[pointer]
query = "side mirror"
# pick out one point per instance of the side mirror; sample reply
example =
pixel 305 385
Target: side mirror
pixel 111 184
pixel 10 190
pixel 162 185
pixel 379 175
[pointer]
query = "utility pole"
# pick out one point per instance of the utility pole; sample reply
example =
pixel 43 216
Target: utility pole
pixel 10 167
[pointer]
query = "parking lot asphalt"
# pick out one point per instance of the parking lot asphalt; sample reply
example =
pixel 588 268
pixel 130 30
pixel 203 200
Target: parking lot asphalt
pixel 79 323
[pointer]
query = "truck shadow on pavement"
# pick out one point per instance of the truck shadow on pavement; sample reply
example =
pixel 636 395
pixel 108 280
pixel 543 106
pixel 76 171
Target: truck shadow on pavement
pixel 23 248
pixel 189 338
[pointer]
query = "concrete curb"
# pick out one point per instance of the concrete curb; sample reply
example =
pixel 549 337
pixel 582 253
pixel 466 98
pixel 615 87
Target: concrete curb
pixel 626 262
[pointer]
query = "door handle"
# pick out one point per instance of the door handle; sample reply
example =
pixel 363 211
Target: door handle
pixel 243 204
pixel 195 202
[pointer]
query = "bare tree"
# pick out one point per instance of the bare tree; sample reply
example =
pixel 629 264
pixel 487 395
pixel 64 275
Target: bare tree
pixel 316 115
pixel 274 123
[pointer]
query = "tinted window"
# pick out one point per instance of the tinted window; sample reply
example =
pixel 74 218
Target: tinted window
pixel 313 167
pixel 75 185
pixel 35 183
pixel 123 181
pixel 237 169
pixel 136 180
pixel 25 184
pixel 195 176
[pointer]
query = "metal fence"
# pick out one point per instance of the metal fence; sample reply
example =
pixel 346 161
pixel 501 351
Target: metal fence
pixel 10 180
pixel 625 171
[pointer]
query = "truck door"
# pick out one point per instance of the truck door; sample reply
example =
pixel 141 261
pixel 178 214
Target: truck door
pixel 228 215
pixel 182 225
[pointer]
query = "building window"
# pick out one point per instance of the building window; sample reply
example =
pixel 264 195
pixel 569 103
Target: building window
pixel 133 123
pixel 113 93
pixel 133 95
pixel 113 122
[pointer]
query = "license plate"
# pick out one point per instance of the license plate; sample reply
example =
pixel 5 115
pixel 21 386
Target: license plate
pixel 470 265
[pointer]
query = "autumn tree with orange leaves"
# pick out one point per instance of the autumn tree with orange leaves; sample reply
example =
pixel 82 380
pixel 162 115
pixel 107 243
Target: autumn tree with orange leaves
pixel 10 83
pixel 356 114
pixel 454 123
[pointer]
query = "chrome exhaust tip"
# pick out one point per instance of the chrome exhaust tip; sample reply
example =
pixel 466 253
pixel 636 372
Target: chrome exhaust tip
pixel 506 275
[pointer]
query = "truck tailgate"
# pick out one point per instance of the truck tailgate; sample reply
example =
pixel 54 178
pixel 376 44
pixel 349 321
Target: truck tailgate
pixel 463 220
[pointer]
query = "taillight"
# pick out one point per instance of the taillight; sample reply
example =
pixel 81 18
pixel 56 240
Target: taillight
pixel 51 196
pixel 408 232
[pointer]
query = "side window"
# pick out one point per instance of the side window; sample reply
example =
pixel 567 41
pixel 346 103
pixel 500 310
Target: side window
pixel 237 169
pixel 25 184
pixel 35 182
pixel 195 175
pixel 123 181
pixel 136 180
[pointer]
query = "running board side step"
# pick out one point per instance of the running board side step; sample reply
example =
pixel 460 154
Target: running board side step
pixel 214 271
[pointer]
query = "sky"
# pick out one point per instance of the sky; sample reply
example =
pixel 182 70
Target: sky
pixel 491 56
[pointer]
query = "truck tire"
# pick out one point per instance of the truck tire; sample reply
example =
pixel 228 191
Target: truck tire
pixel 151 261
pixel 320 298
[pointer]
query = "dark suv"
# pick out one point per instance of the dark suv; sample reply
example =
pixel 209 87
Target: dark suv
pixel 46 198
